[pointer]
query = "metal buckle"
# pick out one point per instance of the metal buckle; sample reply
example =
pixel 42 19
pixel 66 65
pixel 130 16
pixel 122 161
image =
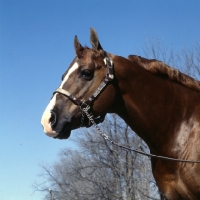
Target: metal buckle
pixel 84 106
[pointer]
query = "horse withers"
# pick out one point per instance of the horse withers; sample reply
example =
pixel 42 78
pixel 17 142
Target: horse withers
pixel 159 103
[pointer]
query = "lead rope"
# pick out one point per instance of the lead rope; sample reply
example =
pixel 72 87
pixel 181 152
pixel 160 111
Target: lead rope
pixel 90 117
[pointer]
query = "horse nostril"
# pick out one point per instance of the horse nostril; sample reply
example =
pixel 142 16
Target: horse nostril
pixel 53 119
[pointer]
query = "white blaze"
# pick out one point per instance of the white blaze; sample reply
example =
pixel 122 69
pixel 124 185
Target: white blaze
pixel 71 70
pixel 45 121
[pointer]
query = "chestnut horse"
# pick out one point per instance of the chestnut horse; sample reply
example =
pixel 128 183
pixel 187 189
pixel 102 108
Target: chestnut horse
pixel 159 103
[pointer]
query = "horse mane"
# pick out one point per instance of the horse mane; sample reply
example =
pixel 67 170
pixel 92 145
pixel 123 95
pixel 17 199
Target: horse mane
pixel 161 69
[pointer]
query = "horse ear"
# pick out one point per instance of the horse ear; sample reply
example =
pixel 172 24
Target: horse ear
pixel 94 40
pixel 77 47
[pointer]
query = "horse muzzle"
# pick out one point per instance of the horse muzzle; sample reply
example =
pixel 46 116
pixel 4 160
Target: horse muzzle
pixel 55 128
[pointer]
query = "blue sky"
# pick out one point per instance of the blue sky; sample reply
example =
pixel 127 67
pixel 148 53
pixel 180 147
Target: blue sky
pixel 36 47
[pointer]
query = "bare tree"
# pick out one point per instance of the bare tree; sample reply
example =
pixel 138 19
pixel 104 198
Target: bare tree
pixel 187 59
pixel 156 49
pixel 99 170
pixel 190 59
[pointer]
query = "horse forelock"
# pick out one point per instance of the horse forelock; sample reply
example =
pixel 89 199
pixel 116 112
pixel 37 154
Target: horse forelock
pixel 161 69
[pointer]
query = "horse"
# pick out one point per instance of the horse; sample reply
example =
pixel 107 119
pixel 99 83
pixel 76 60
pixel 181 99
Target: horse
pixel 159 103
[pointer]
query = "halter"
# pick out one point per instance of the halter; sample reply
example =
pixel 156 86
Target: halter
pixel 86 103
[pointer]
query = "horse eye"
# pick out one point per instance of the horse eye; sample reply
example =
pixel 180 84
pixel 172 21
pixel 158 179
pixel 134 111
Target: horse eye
pixel 87 74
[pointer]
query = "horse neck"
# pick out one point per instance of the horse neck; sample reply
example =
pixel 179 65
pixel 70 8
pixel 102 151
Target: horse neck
pixel 152 106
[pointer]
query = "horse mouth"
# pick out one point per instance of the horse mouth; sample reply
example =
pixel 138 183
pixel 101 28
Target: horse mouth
pixel 65 132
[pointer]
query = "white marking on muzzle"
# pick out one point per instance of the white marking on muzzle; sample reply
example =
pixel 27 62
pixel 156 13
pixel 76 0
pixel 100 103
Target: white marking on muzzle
pixel 45 121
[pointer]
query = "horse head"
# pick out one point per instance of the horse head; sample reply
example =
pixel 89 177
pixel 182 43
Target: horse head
pixel 86 82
